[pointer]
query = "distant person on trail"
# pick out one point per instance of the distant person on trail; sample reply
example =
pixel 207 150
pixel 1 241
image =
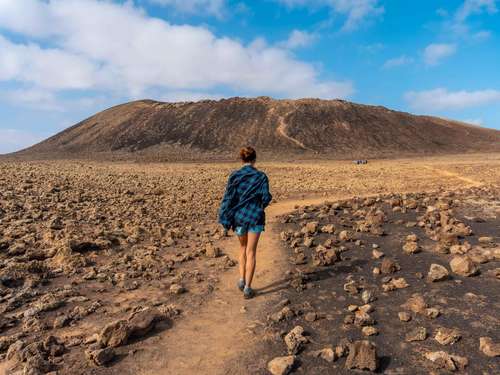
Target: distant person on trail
pixel 242 210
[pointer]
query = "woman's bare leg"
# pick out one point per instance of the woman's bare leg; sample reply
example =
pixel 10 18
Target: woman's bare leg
pixel 253 240
pixel 243 257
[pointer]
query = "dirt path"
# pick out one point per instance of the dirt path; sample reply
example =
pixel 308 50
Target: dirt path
pixel 281 129
pixel 445 173
pixel 205 342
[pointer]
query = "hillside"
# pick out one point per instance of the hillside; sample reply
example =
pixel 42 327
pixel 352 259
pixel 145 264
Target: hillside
pixel 305 127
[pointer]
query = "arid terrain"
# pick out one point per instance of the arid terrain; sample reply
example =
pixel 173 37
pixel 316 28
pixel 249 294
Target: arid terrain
pixel 120 268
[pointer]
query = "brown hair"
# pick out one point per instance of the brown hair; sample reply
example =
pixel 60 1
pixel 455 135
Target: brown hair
pixel 248 154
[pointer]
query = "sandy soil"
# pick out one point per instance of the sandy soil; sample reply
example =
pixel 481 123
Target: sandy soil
pixel 216 331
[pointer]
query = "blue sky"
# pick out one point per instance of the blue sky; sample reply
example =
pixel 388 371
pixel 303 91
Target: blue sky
pixel 63 60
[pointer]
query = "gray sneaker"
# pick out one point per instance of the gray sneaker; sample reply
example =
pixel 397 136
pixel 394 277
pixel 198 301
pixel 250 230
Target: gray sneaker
pixel 241 284
pixel 248 293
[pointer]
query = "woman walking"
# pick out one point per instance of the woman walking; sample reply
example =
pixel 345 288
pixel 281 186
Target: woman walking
pixel 242 210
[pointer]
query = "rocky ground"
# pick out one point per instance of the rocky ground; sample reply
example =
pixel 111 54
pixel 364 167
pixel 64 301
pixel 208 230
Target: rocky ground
pixel 97 259
pixel 396 284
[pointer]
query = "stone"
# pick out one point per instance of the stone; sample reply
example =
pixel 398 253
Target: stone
pixel 328 229
pixel 100 357
pixel 368 296
pixel 327 354
pixel 488 347
pixel 389 266
pixel 295 340
pixel 432 312
pixel 416 303
pixel 351 287
pixel 177 289
pixel 437 272
pixel 311 227
pixel 416 334
pixel 212 251
pixel 115 334
pixel 345 235
pixel 463 266
pixel 362 318
pixel 404 316
pixel 486 240
pixel 281 365
pixel 362 356
pixel 446 361
pixel 447 336
pixel 377 254
pixel 311 316
pixel 142 322
pixel 411 248
pixel 369 331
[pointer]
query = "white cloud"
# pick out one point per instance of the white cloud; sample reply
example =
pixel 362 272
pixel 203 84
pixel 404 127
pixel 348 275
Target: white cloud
pixel 356 11
pixel 298 39
pixel 212 7
pixel 188 96
pixel 442 99
pixel 434 53
pixel 100 45
pixel 470 7
pixel 459 25
pixel 397 61
pixel 12 140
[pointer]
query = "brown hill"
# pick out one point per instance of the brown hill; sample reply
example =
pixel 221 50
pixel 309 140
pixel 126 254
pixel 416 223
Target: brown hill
pixel 306 127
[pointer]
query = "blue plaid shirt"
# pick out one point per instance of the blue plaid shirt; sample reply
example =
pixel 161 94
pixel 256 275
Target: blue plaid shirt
pixel 246 197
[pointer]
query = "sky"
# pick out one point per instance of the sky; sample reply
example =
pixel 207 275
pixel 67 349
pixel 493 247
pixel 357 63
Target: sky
pixel 62 61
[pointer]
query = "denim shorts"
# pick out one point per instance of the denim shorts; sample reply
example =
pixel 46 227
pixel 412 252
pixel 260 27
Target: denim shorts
pixel 241 231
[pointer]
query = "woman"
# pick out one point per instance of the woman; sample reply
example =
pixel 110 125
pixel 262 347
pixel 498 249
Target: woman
pixel 242 209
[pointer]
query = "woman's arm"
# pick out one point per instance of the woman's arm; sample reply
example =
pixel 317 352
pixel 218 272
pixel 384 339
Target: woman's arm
pixel 266 195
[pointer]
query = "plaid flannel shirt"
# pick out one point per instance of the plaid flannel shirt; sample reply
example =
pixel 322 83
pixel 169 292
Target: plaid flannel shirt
pixel 246 197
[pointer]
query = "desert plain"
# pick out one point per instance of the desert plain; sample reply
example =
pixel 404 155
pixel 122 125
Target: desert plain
pixel 121 268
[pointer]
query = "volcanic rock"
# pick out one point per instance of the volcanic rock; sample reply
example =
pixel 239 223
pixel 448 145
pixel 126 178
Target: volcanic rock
pixel 362 356
pixel 295 340
pixel 488 347
pixel 463 266
pixel 281 365
pixel 437 273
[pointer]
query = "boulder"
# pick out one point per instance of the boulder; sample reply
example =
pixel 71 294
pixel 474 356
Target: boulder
pixel 463 266
pixel 362 356
pixel 447 361
pixel 281 365
pixel 437 273
pixel 447 336
pixel 416 334
pixel 100 357
pixel 488 347
pixel 115 334
pixel 295 340
pixel 327 354
pixel 389 266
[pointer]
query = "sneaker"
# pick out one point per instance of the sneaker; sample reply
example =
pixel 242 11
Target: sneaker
pixel 241 284
pixel 248 292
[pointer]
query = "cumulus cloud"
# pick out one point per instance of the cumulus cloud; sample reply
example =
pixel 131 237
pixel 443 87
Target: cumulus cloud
pixel 211 7
pixel 117 48
pixel 442 99
pixel 355 11
pixel 397 61
pixel 298 39
pixel 436 52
